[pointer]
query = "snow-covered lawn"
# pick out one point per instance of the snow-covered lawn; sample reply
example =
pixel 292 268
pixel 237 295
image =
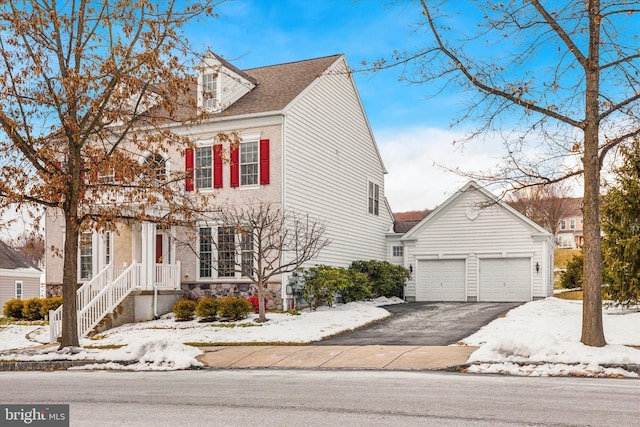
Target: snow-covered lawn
pixel 543 338
pixel 159 344
pixel 537 338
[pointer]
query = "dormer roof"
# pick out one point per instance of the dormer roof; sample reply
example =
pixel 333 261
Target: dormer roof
pixel 276 86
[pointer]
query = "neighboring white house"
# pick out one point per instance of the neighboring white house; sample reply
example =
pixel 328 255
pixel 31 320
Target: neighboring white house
pixel 305 145
pixel 473 247
pixel 19 278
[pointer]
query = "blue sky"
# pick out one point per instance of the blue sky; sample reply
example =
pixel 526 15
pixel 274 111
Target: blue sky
pixel 411 128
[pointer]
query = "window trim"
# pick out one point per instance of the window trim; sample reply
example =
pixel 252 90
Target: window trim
pixel 210 252
pixel 563 224
pixel 373 198
pixel 87 255
pixel 256 163
pixel 198 168
pixel 210 80
pixel 19 284
pixel 397 251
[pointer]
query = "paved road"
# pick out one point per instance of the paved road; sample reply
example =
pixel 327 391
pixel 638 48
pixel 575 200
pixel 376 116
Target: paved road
pixel 425 323
pixel 325 398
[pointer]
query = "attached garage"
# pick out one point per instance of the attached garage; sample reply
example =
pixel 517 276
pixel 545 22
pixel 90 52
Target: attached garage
pixel 505 280
pixel 441 280
pixel 474 247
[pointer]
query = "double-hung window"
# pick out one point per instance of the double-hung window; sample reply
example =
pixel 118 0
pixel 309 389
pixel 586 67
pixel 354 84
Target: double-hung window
pixel 204 167
pixel 563 225
pixel 209 91
pixel 226 251
pixel 18 289
pixel 374 198
pixel 398 251
pixel 249 162
pixel 206 252
pixel 246 251
pixel 86 256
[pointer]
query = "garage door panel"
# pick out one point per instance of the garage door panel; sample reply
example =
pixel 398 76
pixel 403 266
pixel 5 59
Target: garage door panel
pixel 505 279
pixel 441 280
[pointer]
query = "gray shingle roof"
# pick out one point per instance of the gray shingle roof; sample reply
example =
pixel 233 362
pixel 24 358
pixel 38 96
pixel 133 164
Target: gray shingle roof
pixel 277 85
pixel 11 260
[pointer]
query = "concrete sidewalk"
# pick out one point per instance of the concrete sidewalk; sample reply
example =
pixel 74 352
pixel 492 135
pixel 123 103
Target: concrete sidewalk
pixel 392 357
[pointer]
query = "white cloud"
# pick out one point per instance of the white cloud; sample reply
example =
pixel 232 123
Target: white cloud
pixel 414 158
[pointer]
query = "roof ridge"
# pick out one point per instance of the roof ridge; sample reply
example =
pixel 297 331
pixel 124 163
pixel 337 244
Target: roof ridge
pixel 292 62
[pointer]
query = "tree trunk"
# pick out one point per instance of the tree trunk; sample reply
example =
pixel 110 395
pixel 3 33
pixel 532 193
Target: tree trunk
pixel 262 316
pixel 592 329
pixel 70 286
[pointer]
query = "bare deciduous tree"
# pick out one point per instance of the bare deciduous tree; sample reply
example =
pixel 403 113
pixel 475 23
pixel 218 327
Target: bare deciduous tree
pixel 81 84
pixel 555 79
pixel 545 205
pixel 261 241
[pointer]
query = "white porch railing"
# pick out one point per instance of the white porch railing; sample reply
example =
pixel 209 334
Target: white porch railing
pixel 102 294
pixel 84 295
pixel 167 276
pixel 108 299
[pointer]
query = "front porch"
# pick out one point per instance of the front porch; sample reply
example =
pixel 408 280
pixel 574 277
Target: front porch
pixel 133 291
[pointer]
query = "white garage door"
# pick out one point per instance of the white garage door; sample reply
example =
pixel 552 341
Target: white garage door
pixel 505 279
pixel 441 280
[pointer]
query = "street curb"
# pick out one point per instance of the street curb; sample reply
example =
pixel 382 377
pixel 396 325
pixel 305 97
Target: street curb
pixel 52 365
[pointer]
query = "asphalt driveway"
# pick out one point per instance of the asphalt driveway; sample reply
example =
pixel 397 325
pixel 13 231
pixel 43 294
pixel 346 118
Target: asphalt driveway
pixel 425 323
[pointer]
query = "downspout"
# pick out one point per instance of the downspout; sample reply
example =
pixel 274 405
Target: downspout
pixel 283 146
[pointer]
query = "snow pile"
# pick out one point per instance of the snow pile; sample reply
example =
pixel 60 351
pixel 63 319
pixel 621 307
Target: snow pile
pixel 551 370
pixel 548 331
pixel 149 356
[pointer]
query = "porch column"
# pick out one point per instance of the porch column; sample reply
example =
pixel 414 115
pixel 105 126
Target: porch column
pixel 148 255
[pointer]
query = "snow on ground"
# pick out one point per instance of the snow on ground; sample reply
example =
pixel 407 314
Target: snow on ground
pixel 159 344
pixel 543 338
pixel 540 338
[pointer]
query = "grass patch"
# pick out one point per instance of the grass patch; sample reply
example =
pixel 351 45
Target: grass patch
pixel 7 321
pixel 562 256
pixel 252 344
pixel 105 347
pixel 570 295
pixel 234 325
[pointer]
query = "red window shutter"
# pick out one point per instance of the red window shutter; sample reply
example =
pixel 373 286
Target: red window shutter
pixel 235 167
pixel 217 166
pixel 188 166
pixel 264 161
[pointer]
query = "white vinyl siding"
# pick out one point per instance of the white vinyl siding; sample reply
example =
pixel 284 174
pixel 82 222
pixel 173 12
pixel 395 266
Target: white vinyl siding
pixel 494 233
pixel 330 158
pixel 30 288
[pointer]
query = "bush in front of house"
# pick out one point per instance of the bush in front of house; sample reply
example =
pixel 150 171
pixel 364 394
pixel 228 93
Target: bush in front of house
pixel 13 308
pixel 47 304
pixel 322 283
pixel 255 302
pixel 571 277
pixel 387 280
pixel 357 289
pixel 207 308
pixel 31 309
pixel 184 309
pixel 233 308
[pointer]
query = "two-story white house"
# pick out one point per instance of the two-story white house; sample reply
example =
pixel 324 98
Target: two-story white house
pixel 305 145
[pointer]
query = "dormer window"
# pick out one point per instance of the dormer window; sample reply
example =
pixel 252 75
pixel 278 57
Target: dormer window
pixel 210 91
